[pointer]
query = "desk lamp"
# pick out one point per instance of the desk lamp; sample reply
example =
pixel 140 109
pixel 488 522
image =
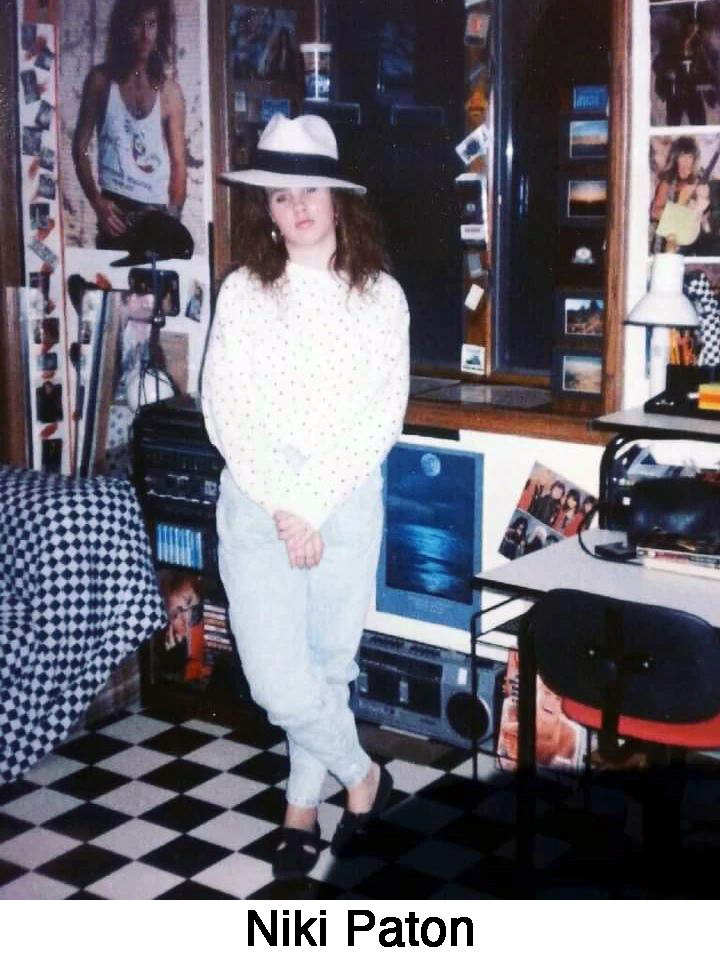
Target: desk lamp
pixel 664 307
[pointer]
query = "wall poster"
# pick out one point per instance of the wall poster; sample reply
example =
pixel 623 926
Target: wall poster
pixel 433 534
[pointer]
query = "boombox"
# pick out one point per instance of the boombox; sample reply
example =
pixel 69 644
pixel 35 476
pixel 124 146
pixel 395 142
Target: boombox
pixel 428 690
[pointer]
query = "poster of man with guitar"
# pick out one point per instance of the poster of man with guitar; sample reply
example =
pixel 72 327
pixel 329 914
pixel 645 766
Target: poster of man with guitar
pixel 685 210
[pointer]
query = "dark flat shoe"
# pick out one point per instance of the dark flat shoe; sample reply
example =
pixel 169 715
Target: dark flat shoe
pixel 297 852
pixel 352 823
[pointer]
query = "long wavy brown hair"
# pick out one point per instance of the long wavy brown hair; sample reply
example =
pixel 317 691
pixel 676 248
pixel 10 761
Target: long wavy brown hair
pixel 359 256
pixel 120 55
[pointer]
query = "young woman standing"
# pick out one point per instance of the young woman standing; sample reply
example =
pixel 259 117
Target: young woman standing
pixel 304 392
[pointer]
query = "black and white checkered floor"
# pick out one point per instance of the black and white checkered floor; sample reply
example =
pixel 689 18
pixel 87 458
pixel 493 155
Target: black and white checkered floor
pixel 152 805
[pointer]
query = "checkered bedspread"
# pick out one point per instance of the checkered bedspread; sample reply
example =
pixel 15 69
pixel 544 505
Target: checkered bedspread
pixel 78 593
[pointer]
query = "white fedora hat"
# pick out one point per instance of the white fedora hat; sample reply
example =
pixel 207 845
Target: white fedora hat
pixel 295 153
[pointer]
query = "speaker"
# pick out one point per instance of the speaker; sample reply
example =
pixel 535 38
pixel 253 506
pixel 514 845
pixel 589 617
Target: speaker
pixel 428 690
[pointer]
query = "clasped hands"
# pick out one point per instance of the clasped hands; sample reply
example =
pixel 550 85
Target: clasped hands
pixel 303 542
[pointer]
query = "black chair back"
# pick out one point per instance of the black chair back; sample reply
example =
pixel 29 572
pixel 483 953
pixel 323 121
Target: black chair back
pixel 627 659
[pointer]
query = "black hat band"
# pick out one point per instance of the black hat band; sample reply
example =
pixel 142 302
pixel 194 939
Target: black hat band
pixel 302 164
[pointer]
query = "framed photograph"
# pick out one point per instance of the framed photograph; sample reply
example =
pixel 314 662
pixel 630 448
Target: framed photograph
pixel 587 139
pixel 583 200
pixel 580 256
pixel 432 541
pixel 590 98
pixel 579 314
pixel 577 371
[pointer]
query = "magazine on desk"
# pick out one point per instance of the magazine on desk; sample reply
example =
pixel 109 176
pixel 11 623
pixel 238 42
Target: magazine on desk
pixel 678 554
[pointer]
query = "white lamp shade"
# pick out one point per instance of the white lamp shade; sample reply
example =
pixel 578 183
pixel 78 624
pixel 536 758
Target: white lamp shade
pixel 665 305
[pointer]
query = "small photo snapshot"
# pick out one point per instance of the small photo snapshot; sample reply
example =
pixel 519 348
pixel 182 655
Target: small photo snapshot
pixel 580 314
pixel 39 280
pixel 44 59
pixel 51 455
pixel 590 98
pixel 588 139
pixel 584 318
pixel 47 158
pixel 474 264
pixel 43 251
pixel 273 105
pixel 577 372
pixel 49 332
pixel 44 115
pixel 39 216
pixel 28 36
pixel 473 358
pixel 193 310
pixel 47 362
pixel 586 199
pixel 46 185
pixel 474 145
pixel 580 256
pixel 28 78
pixel 476 27
pixel 48 400
pixel 31 141
pixel 36 310
pixel 471 192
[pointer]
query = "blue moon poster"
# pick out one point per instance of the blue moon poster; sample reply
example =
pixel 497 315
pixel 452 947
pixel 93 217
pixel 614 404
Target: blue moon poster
pixel 432 540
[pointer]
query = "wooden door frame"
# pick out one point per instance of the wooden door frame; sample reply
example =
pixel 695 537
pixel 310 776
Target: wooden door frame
pixel 619 177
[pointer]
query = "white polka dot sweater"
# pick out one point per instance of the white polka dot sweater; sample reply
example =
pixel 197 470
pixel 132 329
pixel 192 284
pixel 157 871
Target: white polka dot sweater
pixel 305 385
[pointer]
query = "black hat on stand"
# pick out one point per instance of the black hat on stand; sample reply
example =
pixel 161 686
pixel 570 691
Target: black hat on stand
pixel 156 235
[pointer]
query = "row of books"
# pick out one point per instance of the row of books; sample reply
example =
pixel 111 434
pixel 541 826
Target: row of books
pixel 695 556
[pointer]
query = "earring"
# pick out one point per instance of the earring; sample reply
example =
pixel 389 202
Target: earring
pixel 274 234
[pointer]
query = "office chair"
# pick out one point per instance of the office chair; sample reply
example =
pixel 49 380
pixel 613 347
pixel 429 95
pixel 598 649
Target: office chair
pixel 628 671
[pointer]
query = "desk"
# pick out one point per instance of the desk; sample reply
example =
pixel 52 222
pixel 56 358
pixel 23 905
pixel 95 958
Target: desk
pixel 565 564
pixel 635 424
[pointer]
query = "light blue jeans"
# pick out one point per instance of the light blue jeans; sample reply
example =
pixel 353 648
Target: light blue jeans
pixel 298 631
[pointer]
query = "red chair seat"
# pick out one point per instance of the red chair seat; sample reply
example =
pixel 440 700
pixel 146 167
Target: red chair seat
pixel 705 734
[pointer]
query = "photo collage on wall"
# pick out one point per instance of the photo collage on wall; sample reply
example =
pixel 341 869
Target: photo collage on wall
pixel 579 323
pixel 684 156
pixel 549 508
pixel 472 183
pixel 43 300
pixel 154 199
